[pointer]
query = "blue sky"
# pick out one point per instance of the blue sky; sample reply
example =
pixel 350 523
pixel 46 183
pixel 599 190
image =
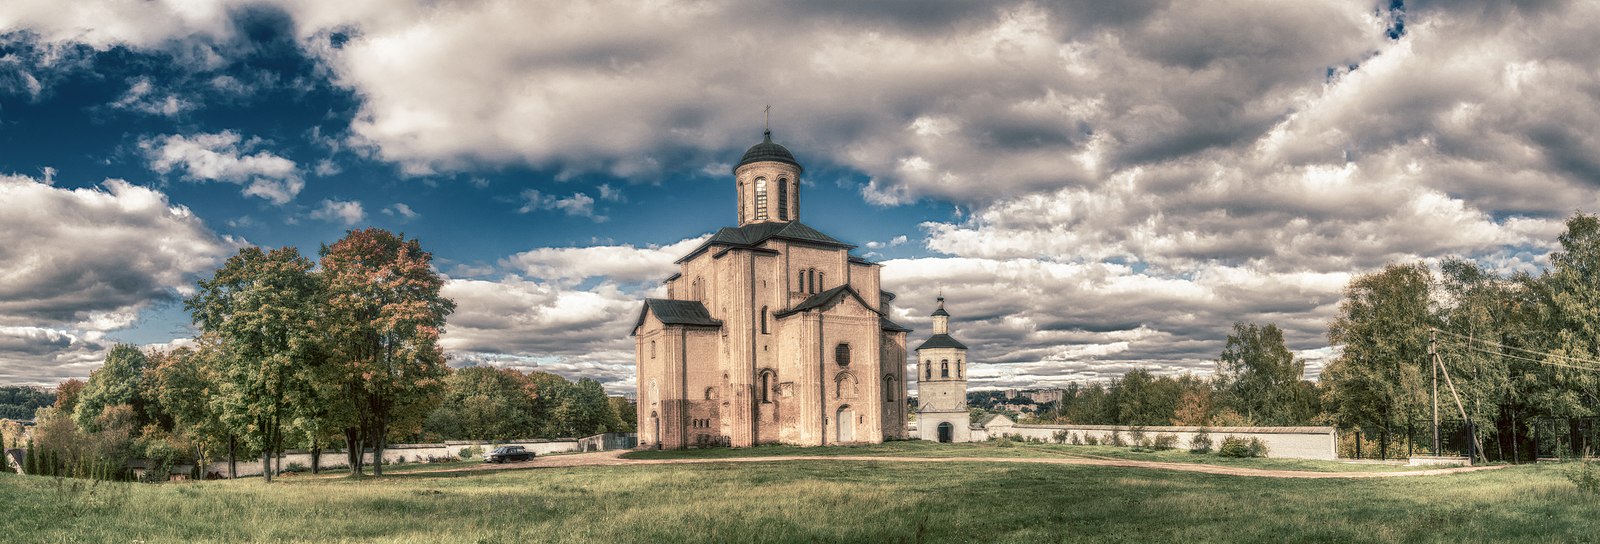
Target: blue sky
pixel 1096 187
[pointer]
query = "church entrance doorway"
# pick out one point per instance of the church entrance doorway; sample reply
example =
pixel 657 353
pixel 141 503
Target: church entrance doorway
pixel 946 431
pixel 656 422
pixel 847 424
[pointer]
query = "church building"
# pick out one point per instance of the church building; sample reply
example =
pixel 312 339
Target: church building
pixel 771 332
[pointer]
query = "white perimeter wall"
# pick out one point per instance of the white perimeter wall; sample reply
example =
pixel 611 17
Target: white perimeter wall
pixel 1286 442
pixel 412 453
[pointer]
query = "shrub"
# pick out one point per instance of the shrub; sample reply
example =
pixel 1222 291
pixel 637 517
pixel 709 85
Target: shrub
pixel 471 452
pixel 1076 439
pixel 1234 446
pixel 1586 478
pixel 295 467
pixel 1137 437
pixel 1164 441
pixel 1090 439
pixel 1060 437
pixel 1116 439
pixel 1201 443
pixel 1258 447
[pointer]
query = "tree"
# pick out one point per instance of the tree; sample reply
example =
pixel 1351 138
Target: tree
pixel 184 383
pixel 1383 326
pixel 1194 406
pixel 262 308
pixel 67 394
pixel 1260 378
pixel 1143 399
pixel 19 401
pixel 627 414
pixel 383 321
pixel 119 381
pixel 484 403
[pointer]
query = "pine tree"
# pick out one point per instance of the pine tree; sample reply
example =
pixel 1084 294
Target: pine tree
pixel 30 461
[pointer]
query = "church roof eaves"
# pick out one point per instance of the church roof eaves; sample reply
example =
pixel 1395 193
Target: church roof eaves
pixel 754 234
pixel 885 324
pixel 942 341
pixel 677 312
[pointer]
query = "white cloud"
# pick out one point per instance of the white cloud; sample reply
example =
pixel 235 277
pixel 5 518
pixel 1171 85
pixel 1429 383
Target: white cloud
pixel 78 263
pixel 340 211
pixel 142 97
pixel 402 211
pixel 626 264
pixel 226 157
pixel 578 205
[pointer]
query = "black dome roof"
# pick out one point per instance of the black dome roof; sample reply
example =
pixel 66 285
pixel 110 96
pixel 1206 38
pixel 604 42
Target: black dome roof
pixel 768 151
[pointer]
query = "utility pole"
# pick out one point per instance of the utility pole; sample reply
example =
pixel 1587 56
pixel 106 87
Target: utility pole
pixel 1433 357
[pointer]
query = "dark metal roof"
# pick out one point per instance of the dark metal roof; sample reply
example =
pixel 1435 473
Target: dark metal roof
pixel 941 311
pixel 819 299
pixel 942 341
pixel 678 312
pixel 886 295
pixel 885 324
pixel 754 234
pixel 768 151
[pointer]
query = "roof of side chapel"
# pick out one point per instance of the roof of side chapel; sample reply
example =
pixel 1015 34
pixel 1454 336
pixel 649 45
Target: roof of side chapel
pixel 678 312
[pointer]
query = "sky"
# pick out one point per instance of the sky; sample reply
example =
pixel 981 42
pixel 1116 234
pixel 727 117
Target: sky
pixel 1096 187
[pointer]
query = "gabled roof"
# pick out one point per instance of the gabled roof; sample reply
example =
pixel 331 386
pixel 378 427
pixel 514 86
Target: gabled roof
pixel 989 419
pixel 754 234
pixel 819 299
pixel 677 312
pixel 942 341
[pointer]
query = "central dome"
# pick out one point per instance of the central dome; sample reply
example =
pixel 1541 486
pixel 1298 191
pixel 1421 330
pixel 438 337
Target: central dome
pixel 767 151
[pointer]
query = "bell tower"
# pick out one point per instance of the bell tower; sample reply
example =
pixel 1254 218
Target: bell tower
pixel 768 179
pixel 942 384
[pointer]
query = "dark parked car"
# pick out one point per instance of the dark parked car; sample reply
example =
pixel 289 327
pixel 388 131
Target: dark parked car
pixel 508 453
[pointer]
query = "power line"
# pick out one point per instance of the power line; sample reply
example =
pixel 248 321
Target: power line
pixel 1525 350
pixel 1528 359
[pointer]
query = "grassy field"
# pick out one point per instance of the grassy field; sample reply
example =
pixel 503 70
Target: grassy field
pixel 810 501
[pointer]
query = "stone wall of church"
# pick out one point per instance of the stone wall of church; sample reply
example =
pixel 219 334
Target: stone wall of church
pixel 892 381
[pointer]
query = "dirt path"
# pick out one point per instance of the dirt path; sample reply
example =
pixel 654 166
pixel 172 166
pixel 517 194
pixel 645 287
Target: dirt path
pixel 614 458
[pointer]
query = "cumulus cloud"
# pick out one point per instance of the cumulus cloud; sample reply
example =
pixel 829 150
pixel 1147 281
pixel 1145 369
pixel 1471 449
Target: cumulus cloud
pixel 340 211
pixel 79 263
pixel 226 156
pixel 1129 177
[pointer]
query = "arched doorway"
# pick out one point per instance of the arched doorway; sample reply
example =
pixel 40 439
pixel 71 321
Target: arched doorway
pixel 946 432
pixel 847 424
pixel 656 422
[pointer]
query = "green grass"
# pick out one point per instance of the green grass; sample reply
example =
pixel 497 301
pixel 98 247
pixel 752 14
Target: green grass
pixel 810 501
pixel 922 448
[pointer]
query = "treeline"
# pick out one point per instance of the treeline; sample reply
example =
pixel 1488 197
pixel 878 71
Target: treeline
pixel 1517 348
pixel 483 403
pixel 20 401
pixel 296 354
pixel 1513 350
pixel 1258 383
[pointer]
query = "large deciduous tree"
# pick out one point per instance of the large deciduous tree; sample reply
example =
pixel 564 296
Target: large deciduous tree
pixel 263 308
pixel 383 321
pixel 119 381
pixel 1383 326
pixel 1259 378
